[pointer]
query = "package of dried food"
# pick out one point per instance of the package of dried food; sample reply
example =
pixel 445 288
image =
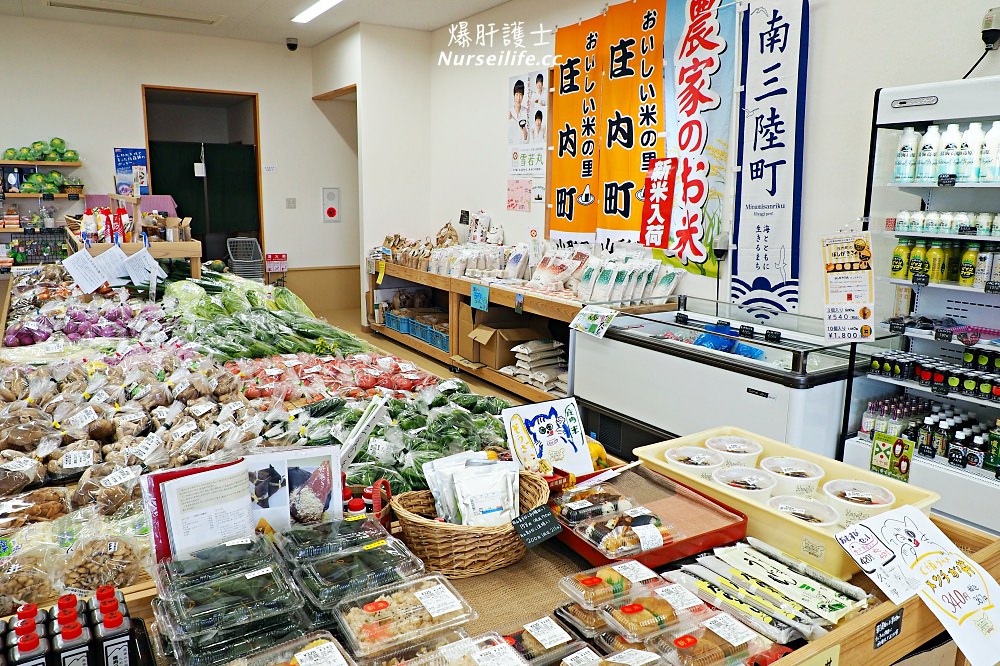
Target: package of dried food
pixel 543 641
pixel 318 647
pixel 131 420
pixel 35 506
pixel 85 420
pixel 716 641
pixel 620 581
pixel 201 566
pixel 107 559
pixel 230 601
pixel 306 543
pixel 488 648
pixel 629 533
pixel 664 606
pixel 578 504
pixel 30 576
pixel 403 656
pixel 586 623
pixel 74 458
pixel 329 580
pixel 109 486
pixel 17 472
pixel 394 616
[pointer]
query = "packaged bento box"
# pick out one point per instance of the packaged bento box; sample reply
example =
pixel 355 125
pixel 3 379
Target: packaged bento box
pixel 578 504
pixel 635 531
pixel 618 581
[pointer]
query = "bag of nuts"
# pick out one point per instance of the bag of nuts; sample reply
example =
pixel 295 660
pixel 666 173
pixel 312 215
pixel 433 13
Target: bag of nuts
pixel 18 471
pixel 105 559
pixel 41 505
pixel 29 576
pixel 109 486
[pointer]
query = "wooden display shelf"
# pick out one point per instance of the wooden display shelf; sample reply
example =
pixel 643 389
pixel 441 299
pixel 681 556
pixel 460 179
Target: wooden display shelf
pixel 414 343
pixel 420 277
pixel 39 163
pixel 190 250
pixel 529 393
pixel 34 195
pixel 551 308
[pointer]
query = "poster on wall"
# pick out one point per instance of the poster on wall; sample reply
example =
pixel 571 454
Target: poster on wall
pixel 126 162
pixel 526 125
pixel 700 42
pixel 769 182
pixel 519 194
pixel 574 189
pixel 849 284
pixel 630 114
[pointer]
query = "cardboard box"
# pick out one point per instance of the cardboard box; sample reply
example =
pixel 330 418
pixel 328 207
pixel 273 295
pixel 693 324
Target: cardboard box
pixel 467 347
pixel 495 343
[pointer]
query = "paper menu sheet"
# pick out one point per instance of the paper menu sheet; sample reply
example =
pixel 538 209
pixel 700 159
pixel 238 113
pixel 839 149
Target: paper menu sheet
pixel 207 508
pixel 112 262
pixel 141 265
pixel 85 271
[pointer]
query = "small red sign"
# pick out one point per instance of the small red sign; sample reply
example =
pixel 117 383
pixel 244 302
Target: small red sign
pixel 591 581
pixel 686 641
pixel 376 606
pixel 276 263
pixel 658 203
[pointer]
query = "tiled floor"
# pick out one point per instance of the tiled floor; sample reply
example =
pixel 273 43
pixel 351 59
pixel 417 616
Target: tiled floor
pixel 350 320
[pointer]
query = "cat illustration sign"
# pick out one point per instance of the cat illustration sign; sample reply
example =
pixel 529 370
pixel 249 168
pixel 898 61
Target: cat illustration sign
pixel 548 435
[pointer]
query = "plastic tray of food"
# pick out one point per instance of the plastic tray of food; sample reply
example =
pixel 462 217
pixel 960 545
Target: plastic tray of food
pixel 486 650
pixel 304 543
pixel 629 533
pixel 703 522
pixel 231 600
pixel 586 623
pixel 399 614
pixel 665 605
pixel 619 581
pixel 609 642
pixel 318 647
pixel 627 657
pixel 719 640
pixel 402 656
pixel 578 504
pixel 207 564
pixel 329 580
pixel 814 545
pixel 544 641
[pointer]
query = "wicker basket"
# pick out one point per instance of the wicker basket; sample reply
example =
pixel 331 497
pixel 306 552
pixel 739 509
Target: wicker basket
pixel 461 551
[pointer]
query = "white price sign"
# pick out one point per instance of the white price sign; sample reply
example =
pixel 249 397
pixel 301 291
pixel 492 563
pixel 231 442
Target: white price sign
pixel 438 600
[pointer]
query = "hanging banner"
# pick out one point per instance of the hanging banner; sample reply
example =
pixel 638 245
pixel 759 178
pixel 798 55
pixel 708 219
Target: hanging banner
pixel 769 181
pixel 698 86
pixel 576 133
pixel 849 287
pixel 658 203
pixel 631 114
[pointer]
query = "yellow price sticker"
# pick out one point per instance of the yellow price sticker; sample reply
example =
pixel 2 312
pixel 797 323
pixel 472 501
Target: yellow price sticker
pixel 374 545
pixel 381 272
pixel 350 518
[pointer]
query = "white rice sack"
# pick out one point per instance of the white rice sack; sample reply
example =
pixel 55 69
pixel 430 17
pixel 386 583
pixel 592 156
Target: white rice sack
pixel 555 362
pixel 652 278
pixel 605 281
pixel 666 284
pixel 537 356
pixel 509 370
pixel 535 346
pixel 618 287
pixel 585 288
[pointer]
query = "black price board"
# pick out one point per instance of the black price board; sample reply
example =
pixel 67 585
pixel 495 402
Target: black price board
pixel 957 457
pixel 947 179
pixel 682 302
pixel 897 327
pixel 943 334
pixel 993 287
pixel 888 628
pixel 939 389
pixel 73 197
pixel 48 196
pixel 536 526
pixel 926 450
pixel 772 336
pixel 463 218
pixel 680 318
pixel 723 324
pixel 921 279
pixel 746 331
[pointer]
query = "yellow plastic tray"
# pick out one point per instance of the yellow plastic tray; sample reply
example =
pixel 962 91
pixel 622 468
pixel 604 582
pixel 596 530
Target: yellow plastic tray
pixel 814 545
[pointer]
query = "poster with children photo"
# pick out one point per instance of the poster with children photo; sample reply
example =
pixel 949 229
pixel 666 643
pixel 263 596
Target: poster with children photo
pixel 548 435
pixel 538 97
pixel 518 123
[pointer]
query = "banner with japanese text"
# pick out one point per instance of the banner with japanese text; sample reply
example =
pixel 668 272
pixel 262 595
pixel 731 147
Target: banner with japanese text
pixel 769 182
pixel 576 133
pixel 700 38
pixel 658 203
pixel 631 116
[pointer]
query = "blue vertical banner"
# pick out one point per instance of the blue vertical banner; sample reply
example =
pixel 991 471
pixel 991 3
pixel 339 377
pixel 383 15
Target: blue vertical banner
pixel 700 43
pixel 126 160
pixel 769 181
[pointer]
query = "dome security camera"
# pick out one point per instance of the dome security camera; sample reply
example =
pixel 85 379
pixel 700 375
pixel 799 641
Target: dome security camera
pixel 292 43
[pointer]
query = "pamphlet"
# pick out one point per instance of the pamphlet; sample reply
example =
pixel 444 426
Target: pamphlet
pixel 295 487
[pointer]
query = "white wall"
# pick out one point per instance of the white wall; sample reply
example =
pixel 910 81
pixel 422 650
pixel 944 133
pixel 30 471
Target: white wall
pixel 336 63
pixel 295 137
pixel 342 120
pixel 180 122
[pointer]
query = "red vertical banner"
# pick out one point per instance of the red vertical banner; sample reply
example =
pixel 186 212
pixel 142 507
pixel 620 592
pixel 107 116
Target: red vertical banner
pixel 658 202
pixel 632 114
pixel 576 132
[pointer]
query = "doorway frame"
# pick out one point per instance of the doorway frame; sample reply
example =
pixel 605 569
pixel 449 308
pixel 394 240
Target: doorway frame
pixel 256 134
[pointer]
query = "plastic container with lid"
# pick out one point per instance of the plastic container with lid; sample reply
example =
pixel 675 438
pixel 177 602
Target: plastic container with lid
pixel 811 511
pixel 857 500
pixel 204 565
pixel 719 640
pixel 586 623
pixel 665 606
pixel 618 581
pixel 316 647
pixel 629 533
pixel 411 651
pixel 488 649
pixel 303 543
pixel 329 580
pixel 696 460
pixel 609 642
pixel 231 600
pixel 756 484
pixel 794 476
pixel 544 641
pixel 396 615
pixel 736 451
pixel 631 657
pixel 578 504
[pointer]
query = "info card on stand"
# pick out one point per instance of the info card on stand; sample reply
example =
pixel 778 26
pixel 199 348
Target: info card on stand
pixel 904 553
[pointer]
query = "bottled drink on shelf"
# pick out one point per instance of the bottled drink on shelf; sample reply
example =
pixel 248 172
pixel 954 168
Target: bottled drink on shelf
pixel 967 269
pixel 951 141
pixel 969 153
pixel 989 160
pixel 935 261
pixel 906 156
pixel 927 154
pixel 918 257
pixel 901 259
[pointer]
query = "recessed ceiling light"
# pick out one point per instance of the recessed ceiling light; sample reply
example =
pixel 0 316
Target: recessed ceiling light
pixel 315 10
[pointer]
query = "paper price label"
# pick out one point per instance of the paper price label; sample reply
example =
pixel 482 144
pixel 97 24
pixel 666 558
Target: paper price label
pixel 583 657
pixel 678 597
pixel 239 542
pixel 181 386
pixel 635 572
pixel 83 418
pixel 78 459
pixel 273 372
pixel 141 392
pixel 579 504
pixel 144 450
pixel 326 654
pixel 438 600
pixel 101 396
pixel 159 338
pixel 119 476
pixel 55 347
pixel 634 657
pixel 201 409
pixel 224 428
pixel 637 511
pixel 31 325
pixel 313 370
pixel 259 572
pixel 649 536
pixel 498 655
pixel 22 464
pixel 730 630
pixel 407 367
pixel 184 430
pixel 291 363
pixel 129 417
pixel 160 413
pixel 547 632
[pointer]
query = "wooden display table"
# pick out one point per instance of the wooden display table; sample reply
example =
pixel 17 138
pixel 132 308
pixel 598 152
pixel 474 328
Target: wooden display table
pixel 190 250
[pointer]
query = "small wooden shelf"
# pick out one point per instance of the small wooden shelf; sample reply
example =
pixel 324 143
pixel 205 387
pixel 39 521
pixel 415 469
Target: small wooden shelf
pixel 432 280
pixel 414 343
pixel 67 165
pixel 39 195
pixel 529 393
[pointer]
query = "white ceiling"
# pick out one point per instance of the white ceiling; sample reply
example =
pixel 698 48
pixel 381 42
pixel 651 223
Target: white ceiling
pixel 260 20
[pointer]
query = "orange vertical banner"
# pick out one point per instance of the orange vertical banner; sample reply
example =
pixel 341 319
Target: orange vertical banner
pixel 574 203
pixel 631 114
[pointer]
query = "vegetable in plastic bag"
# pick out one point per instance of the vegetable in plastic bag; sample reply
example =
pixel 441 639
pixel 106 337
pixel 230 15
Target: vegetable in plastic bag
pixel 286 300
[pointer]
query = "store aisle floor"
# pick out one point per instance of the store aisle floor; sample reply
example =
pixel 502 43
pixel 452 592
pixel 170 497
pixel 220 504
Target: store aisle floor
pixel 350 320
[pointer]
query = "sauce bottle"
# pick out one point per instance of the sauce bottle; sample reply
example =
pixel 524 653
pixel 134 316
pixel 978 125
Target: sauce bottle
pixel 111 640
pixel 31 650
pixel 68 601
pixel 23 628
pixel 901 259
pixel 107 606
pixel 32 611
pixel 71 647
pixel 356 507
pixel 942 438
pixel 936 267
pixel 64 617
pixel 926 433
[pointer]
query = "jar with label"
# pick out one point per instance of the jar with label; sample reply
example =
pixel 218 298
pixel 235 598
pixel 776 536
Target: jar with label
pixel 947 220
pixel 977 452
pixel 903 221
pixel 932 222
pixel 984 224
pixel 918 222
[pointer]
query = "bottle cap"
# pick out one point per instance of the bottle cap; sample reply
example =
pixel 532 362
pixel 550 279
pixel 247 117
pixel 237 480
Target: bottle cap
pixel 66 616
pixel 105 592
pixel 356 505
pixel 27 610
pixel 112 620
pixel 24 627
pixel 108 605
pixel 67 601
pixel 347 494
pixel 71 631
pixel 27 643
pixel 368 493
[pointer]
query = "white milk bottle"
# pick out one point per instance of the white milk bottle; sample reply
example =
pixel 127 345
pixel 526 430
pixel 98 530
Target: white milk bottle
pixel 951 140
pixel 927 154
pixel 969 153
pixel 989 160
pixel 906 156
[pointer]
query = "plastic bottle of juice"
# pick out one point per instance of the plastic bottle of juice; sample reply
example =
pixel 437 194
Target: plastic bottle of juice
pixel 954 261
pixel 993 449
pixel 900 258
pixel 936 262
pixel 918 257
pixel 967 271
